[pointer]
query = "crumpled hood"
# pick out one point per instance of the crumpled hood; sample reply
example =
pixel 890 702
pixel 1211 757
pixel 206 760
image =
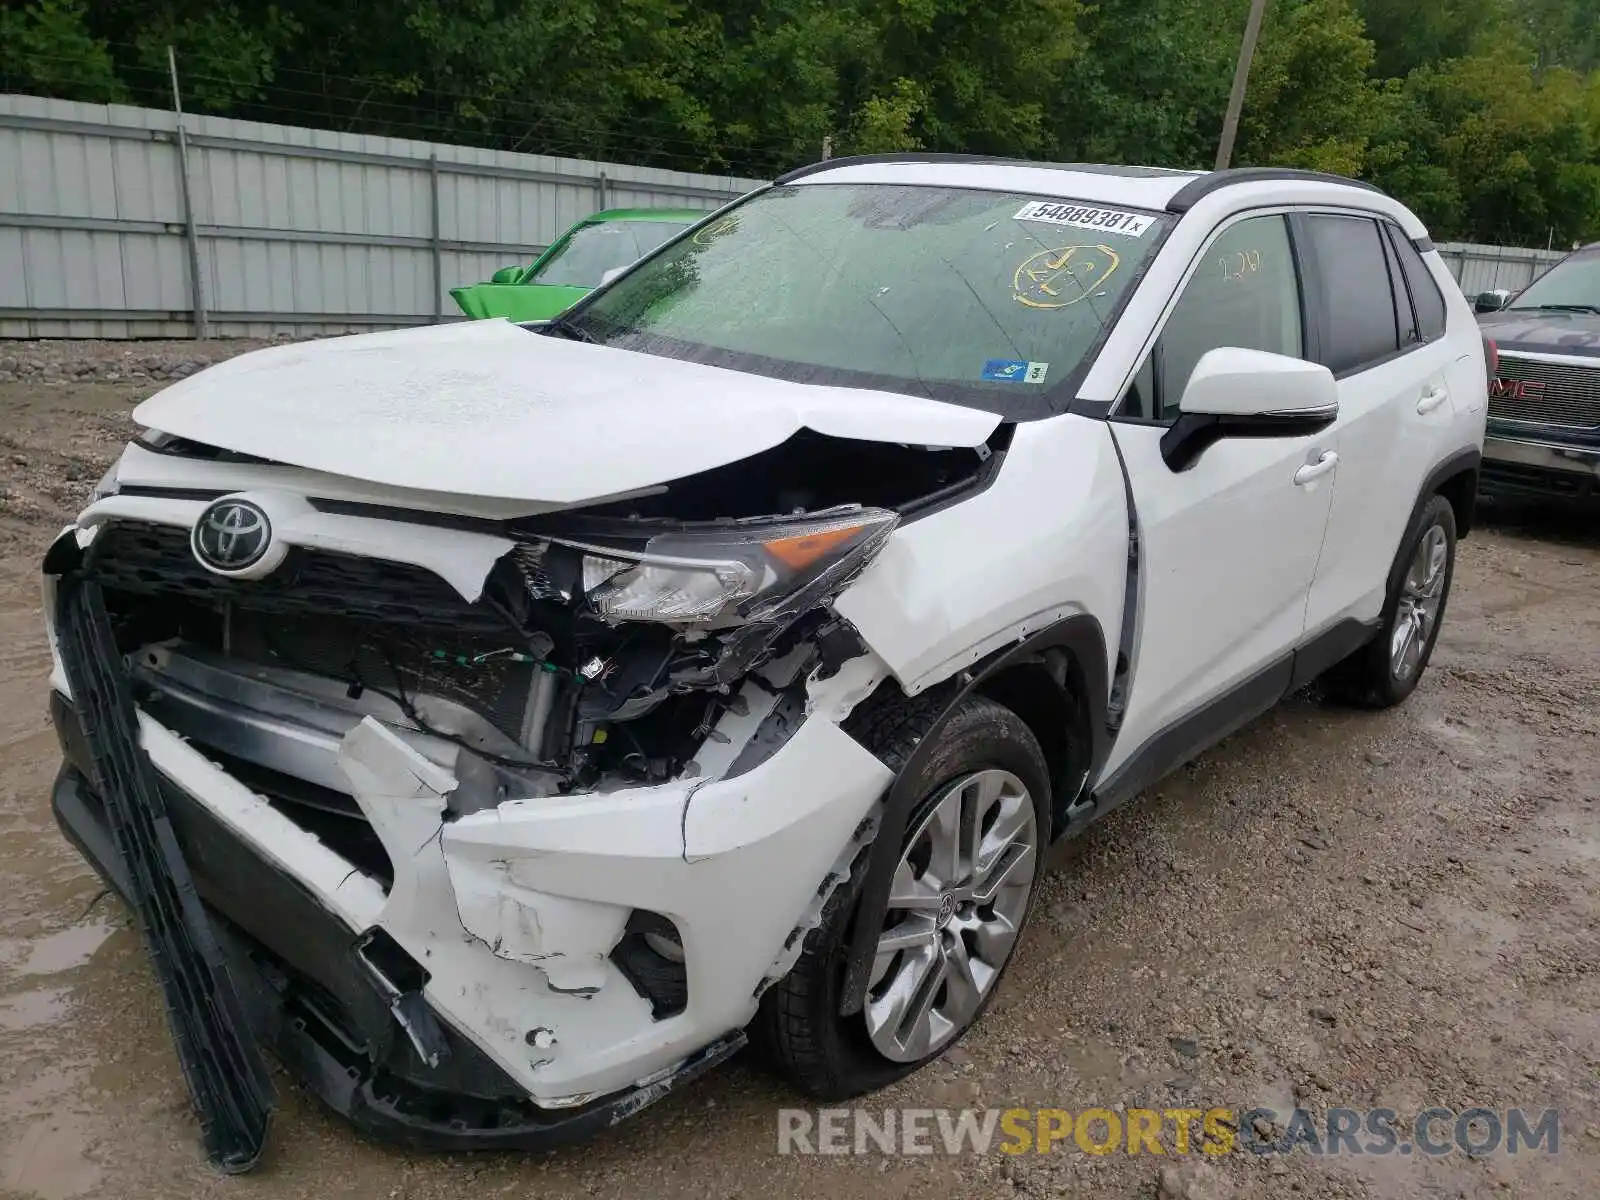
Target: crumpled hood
pixel 485 408
pixel 1543 332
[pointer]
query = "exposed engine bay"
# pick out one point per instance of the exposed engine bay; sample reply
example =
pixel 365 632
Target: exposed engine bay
pixel 602 652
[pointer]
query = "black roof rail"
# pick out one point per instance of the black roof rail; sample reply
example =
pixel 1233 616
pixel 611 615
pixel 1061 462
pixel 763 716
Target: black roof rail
pixel 934 156
pixel 1192 193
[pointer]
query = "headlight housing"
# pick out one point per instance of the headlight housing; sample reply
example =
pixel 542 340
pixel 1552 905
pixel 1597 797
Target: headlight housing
pixel 713 576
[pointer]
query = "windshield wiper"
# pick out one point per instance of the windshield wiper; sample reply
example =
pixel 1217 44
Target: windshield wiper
pixel 571 330
pixel 1583 308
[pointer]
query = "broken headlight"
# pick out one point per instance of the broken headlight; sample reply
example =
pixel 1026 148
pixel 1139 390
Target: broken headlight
pixel 726 574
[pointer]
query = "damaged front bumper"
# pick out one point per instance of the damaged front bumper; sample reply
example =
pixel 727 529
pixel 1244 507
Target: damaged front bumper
pixel 490 994
pixel 315 1006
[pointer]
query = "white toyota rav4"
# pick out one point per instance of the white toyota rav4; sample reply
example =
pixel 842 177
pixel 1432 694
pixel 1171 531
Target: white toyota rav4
pixel 502 723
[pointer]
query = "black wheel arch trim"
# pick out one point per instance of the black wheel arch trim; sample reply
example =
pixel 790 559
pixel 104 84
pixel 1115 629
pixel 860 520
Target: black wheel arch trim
pixel 1075 645
pixel 1462 462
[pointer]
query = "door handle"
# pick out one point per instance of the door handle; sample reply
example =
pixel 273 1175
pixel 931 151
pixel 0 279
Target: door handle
pixel 1431 399
pixel 1314 471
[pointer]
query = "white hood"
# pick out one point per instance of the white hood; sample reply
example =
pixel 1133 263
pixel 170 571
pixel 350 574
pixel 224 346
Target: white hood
pixel 484 408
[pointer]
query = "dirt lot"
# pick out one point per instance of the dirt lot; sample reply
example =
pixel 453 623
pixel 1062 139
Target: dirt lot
pixel 1332 908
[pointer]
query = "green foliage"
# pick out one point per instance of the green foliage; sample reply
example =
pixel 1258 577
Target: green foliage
pixel 226 61
pixel 1525 154
pixel 46 47
pixel 1483 116
pixel 1311 100
pixel 1408 34
pixel 1151 82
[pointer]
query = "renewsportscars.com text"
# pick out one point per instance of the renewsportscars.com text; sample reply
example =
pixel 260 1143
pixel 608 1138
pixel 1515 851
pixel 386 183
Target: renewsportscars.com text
pixel 1433 1132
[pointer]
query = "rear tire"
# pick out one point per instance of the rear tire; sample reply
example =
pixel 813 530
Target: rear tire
pixel 988 765
pixel 1387 669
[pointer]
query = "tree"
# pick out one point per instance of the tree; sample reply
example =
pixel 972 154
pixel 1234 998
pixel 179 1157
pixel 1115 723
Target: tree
pixel 1483 116
pixel 1412 33
pixel 1525 150
pixel 1150 83
pixel 1311 103
pixel 47 48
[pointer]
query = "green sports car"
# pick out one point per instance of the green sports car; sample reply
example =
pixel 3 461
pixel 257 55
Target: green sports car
pixel 579 261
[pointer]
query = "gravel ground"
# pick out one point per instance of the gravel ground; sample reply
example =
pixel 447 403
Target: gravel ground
pixel 113 362
pixel 1331 909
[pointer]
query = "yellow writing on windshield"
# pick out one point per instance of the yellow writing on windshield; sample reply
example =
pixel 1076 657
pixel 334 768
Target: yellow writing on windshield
pixel 716 229
pixel 1063 276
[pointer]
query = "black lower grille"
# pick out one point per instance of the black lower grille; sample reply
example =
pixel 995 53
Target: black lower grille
pixel 334 818
pixel 1546 393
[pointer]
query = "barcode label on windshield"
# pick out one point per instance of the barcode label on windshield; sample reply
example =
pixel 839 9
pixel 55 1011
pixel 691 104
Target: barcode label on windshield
pixel 1076 216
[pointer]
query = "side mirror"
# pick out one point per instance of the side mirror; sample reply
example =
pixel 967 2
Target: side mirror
pixel 1491 301
pixel 506 275
pixel 1248 393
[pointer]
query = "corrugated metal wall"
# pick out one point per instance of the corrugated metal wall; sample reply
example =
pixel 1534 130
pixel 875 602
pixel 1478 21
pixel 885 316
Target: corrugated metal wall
pixel 299 230
pixel 1479 268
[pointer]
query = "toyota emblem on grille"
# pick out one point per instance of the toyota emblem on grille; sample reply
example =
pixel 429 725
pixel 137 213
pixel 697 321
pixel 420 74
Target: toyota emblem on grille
pixel 231 536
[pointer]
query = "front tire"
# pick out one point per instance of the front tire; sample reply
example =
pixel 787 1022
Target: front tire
pixel 1387 669
pixel 966 877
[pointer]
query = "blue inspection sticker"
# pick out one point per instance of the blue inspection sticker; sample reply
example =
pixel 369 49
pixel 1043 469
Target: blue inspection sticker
pixel 1014 370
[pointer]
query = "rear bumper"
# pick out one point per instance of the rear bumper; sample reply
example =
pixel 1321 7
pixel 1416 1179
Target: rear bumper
pixel 1513 468
pixel 309 999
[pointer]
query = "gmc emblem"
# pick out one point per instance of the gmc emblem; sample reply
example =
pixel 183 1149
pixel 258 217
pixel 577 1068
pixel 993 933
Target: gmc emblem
pixel 1515 389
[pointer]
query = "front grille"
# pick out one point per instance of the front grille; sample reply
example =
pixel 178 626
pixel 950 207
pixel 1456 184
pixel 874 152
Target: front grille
pixel 1548 393
pixel 156 560
pixel 396 629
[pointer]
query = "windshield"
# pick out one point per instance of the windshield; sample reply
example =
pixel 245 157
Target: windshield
pixel 978 297
pixel 592 250
pixel 1573 282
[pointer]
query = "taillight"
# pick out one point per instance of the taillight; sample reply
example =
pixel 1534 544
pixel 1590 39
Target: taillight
pixel 1491 357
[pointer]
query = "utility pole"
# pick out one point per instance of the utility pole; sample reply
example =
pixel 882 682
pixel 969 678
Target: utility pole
pixel 191 233
pixel 1241 78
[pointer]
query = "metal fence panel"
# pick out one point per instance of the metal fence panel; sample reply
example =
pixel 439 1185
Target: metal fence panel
pixel 301 231
pixel 1480 268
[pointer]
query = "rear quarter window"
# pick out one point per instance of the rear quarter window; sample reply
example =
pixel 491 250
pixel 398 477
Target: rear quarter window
pixel 1426 298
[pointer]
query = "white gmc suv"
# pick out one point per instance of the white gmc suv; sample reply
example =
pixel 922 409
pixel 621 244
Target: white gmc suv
pixel 502 723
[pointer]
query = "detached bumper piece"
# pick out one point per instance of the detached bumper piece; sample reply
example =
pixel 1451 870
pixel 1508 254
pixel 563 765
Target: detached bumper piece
pixel 227 1077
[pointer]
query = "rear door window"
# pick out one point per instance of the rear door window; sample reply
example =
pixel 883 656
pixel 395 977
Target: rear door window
pixel 1352 281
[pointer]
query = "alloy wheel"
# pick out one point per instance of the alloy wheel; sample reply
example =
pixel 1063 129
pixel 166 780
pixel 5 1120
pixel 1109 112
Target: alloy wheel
pixel 959 895
pixel 1421 596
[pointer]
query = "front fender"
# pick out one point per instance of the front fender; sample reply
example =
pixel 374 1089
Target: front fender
pixel 1074 652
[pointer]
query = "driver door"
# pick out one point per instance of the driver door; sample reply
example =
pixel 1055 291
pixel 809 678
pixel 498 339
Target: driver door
pixel 1229 545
